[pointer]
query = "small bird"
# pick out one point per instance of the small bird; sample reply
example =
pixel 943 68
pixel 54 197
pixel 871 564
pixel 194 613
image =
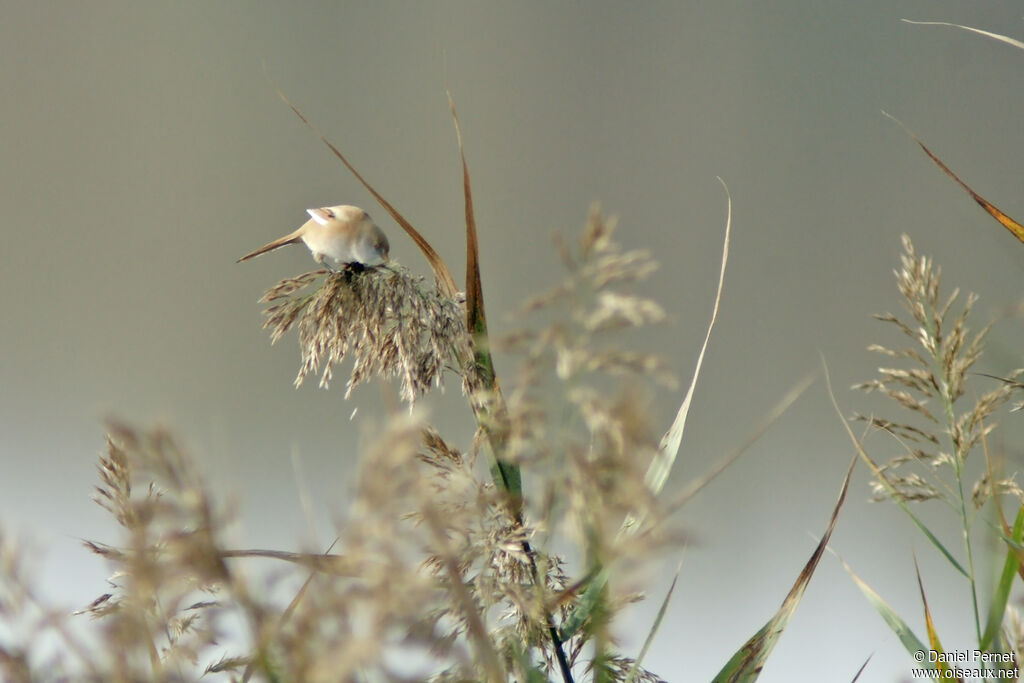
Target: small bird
pixel 336 234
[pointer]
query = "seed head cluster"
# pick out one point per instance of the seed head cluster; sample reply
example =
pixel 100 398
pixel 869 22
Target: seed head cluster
pixel 936 431
pixel 384 318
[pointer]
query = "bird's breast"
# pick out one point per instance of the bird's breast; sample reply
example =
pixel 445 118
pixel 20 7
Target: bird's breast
pixel 331 241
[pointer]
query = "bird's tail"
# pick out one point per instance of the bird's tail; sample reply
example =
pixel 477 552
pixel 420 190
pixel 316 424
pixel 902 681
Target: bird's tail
pixel 280 242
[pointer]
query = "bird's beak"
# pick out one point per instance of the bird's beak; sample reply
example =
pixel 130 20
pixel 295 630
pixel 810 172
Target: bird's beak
pixel 319 215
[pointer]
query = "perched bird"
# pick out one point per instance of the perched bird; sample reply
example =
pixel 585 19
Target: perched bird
pixel 337 235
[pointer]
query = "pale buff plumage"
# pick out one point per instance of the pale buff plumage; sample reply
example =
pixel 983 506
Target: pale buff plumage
pixel 336 235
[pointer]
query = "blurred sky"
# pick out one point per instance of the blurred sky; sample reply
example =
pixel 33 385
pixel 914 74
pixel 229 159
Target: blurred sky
pixel 143 149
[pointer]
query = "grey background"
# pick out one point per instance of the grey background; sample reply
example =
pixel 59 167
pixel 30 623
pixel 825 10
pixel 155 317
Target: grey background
pixel 142 150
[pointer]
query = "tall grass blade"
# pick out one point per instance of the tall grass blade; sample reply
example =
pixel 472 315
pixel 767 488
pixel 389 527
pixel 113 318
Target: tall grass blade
pixel 445 281
pixel 746 664
pixel 485 393
pixel 1001 592
pixel 1013 226
pixel 592 595
pixel 492 415
pixel 863 666
pixel 790 397
pixel 910 641
pixel 661 467
pixel 988 34
pixel 654 628
pixel 935 645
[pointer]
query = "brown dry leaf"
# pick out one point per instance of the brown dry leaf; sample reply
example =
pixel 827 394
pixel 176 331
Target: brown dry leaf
pixel 445 282
pixel 1013 226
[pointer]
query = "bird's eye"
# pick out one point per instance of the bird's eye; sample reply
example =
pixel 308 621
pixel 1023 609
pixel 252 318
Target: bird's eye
pixel 330 214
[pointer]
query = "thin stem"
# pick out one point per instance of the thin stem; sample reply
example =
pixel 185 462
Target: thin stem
pixel 556 640
pixel 958 460
pixel 964 520
pixel 491 415
pixel 970 557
